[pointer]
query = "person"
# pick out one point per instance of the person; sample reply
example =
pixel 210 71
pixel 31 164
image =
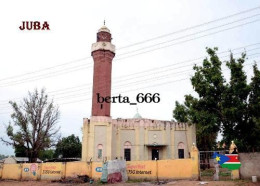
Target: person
pixel 232 147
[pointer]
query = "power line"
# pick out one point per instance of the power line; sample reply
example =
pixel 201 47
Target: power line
pixel 189 28
pixel 182 30
pixel 156 78
pixel 48 68
pixel 138 82
pixel 168 67
pixel 56 74
pixel 188 40
pixel 43 76
pixel 150 71
pixel 182 37
pixel 159 84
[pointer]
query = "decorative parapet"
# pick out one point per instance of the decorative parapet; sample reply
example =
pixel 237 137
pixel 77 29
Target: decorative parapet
pixel 149 124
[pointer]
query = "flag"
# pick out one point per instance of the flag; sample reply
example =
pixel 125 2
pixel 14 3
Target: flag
pixel 220 158
pixel 233 163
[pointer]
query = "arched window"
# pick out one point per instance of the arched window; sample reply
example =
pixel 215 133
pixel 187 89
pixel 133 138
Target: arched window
pixel 127 151
pixel 181 150
pixel 99 151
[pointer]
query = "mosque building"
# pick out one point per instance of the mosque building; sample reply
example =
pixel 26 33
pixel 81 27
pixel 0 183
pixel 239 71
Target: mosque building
pixel 131 139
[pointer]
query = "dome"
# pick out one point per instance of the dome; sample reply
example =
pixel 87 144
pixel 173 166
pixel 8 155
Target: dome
pixel 104 29
pixel 137 115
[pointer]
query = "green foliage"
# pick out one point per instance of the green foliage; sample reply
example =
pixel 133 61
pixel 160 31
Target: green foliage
pixel 35 120
pixel 46 154
pixel 204 111
pixel 20 151
pixel 3 156
pixel 231 107
pixel 254 114
pixel 235 103
pixel 180 112
pixel 69 147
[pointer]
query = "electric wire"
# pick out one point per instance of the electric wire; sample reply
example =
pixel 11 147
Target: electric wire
pixel 142 73
pixel 158 48
pixel 56 74
pixel 196 33
pixel 182 30
pixel 156 79
pixel 150 71
pixel 189 28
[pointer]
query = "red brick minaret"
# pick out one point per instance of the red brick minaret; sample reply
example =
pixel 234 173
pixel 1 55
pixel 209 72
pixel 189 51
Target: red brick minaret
pixel 103 53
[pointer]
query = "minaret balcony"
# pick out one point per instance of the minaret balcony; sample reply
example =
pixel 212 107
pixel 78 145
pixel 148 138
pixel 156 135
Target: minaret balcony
pixel 103 46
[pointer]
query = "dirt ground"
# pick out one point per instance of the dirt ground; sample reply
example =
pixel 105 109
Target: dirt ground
pixel 175 183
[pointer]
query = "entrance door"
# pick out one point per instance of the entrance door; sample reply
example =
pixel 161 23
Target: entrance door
pixel 181 153
pixel 128 154
pixel 155 154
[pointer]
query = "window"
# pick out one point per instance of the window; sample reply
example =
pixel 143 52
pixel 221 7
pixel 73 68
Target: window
pixel 127 151
pixel 181 150
pixel 128 154
pixel 100 151
pixel 181 153
pixel 155 154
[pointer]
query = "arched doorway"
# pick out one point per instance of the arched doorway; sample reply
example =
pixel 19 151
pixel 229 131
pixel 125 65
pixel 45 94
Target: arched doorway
pixel 181 150
pixel 127 151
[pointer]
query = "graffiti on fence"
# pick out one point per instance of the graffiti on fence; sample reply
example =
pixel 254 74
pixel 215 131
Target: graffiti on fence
pixel 34 168
pixel 54 169
pixel 139 169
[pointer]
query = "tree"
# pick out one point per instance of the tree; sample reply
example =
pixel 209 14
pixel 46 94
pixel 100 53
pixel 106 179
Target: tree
pixel 35 120
pixel 46 154
pixel 69 147
pixel 253 109
pixel 3 156
pixel 235 103
pixel 240 103
pixel 204 111
pixel 230 107
pixel 20 151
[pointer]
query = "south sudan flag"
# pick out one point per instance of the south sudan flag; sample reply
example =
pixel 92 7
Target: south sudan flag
pixel 220 158
pixel 233 163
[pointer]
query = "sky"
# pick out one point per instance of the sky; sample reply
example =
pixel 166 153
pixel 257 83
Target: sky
pixel 157 44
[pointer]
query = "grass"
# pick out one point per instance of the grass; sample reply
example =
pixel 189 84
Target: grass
pixel 224 174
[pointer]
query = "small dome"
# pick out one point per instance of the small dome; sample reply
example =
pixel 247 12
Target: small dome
pixel 104 29
pixel 137 115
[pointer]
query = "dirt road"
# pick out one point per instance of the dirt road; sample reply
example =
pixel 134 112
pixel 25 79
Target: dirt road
pixel 174 183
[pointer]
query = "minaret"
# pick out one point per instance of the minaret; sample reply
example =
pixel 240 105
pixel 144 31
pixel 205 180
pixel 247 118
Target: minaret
pixel 103 52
